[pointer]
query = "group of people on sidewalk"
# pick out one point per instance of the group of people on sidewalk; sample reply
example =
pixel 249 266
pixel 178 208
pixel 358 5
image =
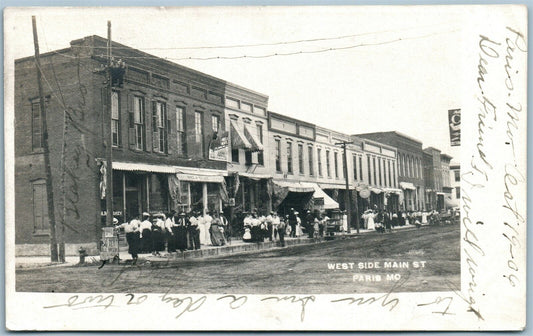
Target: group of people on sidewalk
pixel 384 221
pixel 174 232
pixel 258 228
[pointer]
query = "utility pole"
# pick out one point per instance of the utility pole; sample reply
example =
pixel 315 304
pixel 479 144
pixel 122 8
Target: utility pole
pixel 49 185
pixel 109 133
pixel 347 203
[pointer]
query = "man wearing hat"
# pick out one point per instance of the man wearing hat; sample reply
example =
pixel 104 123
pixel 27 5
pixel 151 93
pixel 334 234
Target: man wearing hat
pixel 225 226
pixel 145 230
pixel 293 221
pixel 194 232
pixel 180 231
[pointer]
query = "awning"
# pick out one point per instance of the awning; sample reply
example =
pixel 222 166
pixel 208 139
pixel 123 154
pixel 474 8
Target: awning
pixel 440 193
pixel 407 185
pixel 296 186
pixel 252 138
pixel 329 203
pixel 238 140
pixel 143 167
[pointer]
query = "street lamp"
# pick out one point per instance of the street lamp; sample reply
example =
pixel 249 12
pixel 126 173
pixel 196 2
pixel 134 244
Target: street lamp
pixel 347 204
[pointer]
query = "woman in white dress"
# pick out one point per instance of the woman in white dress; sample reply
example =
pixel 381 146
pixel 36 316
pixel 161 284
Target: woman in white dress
pixel 207 226
pixel 201 227
pixel 371 225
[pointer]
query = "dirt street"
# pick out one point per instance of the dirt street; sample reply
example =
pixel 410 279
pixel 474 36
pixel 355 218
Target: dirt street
pixel 426 259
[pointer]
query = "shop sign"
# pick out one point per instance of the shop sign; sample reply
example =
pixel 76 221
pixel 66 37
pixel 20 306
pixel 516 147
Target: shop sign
pixel 454 119
pixel 115 213
pixel 319 201
pixel 218 148
pixel 200 178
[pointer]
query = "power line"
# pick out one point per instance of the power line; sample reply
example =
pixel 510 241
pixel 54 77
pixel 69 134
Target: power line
pixel 276 54
pixel 251 45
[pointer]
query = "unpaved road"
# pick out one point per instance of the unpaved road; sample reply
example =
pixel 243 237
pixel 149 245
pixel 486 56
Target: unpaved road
pixel 297 270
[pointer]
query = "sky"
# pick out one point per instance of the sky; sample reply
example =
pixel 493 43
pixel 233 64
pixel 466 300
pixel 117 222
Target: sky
pixel 351 69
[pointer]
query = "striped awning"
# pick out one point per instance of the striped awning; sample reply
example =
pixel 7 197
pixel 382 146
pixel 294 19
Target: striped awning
pixel 238 139
pixel 253 139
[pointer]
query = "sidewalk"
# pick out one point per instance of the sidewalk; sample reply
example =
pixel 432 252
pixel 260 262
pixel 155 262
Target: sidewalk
pixel 236 246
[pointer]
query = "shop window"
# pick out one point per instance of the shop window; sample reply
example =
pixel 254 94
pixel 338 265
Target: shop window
pixel 181 131
pixel 115 118
pixel 40 208
pixel 36 127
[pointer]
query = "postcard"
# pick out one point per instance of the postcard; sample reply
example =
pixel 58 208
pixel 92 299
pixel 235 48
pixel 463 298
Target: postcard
pixel 266 168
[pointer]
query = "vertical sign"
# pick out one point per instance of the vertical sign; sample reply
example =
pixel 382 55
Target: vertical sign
pixel 454 120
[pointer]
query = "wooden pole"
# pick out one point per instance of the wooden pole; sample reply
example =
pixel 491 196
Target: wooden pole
pixel 109 133
pixel 49 185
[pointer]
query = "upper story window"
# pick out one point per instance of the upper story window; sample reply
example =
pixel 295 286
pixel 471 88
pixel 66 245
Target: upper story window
pixel 159 126
pixel 41 222
pixel 199 129
pixel 278 155
pixel 301 158
pixel 138 120
pixel 115 118
pixel 457 175
pixel 310 158
pixel 369 170
pixel 361 167
pixel 336 163
pixel 355 167
pixel 215 123
pixel 328 165
pixel 319 160
pixel 260 155
pixel 181 131
pixel 36 127
pixel 289 157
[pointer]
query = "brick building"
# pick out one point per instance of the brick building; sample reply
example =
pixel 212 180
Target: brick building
pixel 410 162
pixel 164 120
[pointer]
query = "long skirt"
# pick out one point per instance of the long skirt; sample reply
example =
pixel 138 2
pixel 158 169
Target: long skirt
pixel 201 228
pixel 133 243
pixel 171 241
pixel 180 235
pixel 217 238
pixel 146 241
pixel 158 241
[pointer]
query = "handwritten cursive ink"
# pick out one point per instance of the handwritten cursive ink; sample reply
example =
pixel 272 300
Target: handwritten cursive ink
pixel 293 299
